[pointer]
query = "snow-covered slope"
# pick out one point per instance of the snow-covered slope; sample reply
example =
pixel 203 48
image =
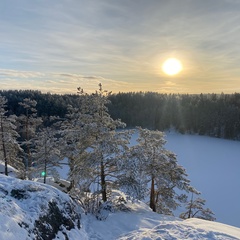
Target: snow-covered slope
pixel 11 171
pixel 31 210
pixel 142 223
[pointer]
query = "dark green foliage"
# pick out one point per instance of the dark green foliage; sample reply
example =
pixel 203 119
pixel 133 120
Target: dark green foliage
pixel 216 115
pixel 47 104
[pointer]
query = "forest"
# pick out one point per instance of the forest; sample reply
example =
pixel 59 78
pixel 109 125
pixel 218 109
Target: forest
pixel 216 115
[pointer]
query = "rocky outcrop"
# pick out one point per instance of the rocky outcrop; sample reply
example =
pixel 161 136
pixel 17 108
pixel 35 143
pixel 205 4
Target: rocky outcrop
pixel 43 211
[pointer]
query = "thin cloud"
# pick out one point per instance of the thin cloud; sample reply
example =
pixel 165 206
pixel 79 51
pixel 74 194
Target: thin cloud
pixel 19 74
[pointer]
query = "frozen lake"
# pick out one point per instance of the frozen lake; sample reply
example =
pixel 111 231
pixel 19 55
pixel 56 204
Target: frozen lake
pixel 213 166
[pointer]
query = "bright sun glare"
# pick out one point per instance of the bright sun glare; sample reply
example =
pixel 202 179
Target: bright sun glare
pixel 172 66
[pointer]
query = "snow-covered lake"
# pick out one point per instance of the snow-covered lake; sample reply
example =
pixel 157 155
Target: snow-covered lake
pixel 213 166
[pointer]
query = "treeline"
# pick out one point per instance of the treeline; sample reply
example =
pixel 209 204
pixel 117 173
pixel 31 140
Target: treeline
pixel 47 104
pixel 216 115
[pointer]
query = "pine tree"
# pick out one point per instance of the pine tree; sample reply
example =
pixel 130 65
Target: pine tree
pixel 133 181
pixel 195 209
pixel 46 152
pixel 9 147
pixel 28 124
pixel 107 145
pixel 75 138
pixel 92 143
pixel 160 171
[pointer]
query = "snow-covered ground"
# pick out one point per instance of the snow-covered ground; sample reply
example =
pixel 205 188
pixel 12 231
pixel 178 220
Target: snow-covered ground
pixel 29 208
pixel 143 224
pixel 21 209
pixel 11 171
pixel 213 166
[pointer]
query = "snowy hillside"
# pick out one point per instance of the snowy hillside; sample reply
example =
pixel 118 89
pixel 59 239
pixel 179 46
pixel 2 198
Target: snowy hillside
pixel 142 223
pixel 31 210
pixel 11 171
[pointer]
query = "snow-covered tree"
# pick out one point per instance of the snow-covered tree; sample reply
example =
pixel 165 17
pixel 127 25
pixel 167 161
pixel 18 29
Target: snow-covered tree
pixel 195 209
pixel 75 138
pixel 28 124
pixel 46 154
pixel 159 171
pixel 133 181
pixel 102 160
pixel 9 147
pixel 93 145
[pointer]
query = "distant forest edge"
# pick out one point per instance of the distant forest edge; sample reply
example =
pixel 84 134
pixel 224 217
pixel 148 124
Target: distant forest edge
pixel 216 115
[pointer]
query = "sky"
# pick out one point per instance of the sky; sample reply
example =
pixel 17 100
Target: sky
pixel 56 46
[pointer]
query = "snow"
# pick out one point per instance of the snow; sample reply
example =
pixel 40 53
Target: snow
pixel 142 223
pixel 212 165
pixel 213 168
pixel 11 171
pixel 9 228
pixel 138 223
pixel 24 211
pixel 213 226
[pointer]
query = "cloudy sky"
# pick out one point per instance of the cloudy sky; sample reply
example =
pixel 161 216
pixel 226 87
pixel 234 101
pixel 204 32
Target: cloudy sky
pixel 58 45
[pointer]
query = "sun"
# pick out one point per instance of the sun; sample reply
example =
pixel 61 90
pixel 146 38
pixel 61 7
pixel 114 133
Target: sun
pixel 172 66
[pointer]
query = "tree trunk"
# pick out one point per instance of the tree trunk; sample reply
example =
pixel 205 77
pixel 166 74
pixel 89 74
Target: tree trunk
pixel 45 170
pixel 152 203
pixel 190 207
pixel 71 186
pixel 4 149
pixel 28 162
pixel 103 183
pixel 45 160
pixel 71 166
